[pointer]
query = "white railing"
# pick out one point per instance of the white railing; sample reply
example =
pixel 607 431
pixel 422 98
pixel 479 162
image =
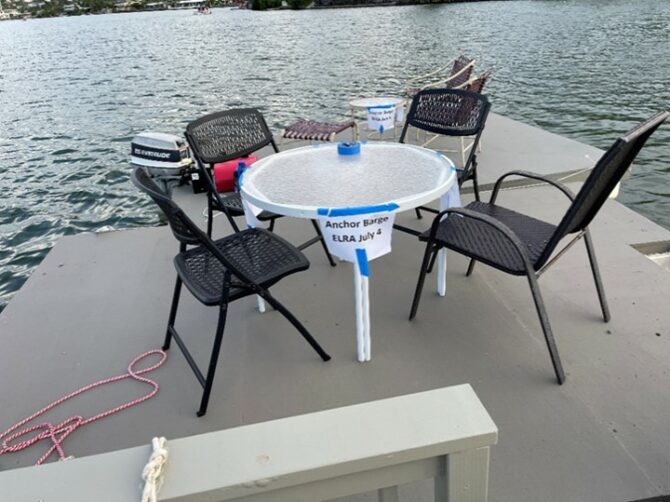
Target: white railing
pixel 443 434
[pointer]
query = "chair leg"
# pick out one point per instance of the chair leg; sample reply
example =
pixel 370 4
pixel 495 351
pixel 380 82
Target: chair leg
pixel 418 213
pixel 214 358
pixel 463 151
pixel 471 267
pixel 323 243
pixel 596 276
pixel 265 294
pixel 173 314
pixel 271 227
pixel 432 261
pixel 210 217
pixel 475 182
pixel 422 278
pixel 546 327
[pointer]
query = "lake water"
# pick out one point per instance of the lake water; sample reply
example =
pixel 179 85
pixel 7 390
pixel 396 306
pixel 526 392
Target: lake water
pixel 74 91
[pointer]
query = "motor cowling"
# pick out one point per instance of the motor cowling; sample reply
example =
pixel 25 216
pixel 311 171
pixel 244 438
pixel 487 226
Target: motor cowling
pixel 166 157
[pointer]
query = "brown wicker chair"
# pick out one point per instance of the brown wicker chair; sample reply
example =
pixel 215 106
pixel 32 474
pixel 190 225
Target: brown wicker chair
pixel 477 84
pixel 460 70
pixel 312 130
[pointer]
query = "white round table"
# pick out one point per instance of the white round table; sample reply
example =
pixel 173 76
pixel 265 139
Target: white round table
pixel 310 181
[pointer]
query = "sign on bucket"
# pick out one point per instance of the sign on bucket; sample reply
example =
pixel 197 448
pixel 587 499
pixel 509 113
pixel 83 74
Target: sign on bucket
pixel 381 117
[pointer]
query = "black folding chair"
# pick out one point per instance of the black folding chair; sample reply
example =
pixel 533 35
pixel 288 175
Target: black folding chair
pixel 521 245
pixel 222 271
pixel 450 112
pixel 227 135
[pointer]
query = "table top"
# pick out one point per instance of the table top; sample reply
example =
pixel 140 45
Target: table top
pixel 375 101
pixel 302 181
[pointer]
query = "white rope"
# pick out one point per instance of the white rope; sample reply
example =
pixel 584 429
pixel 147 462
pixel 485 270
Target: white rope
pixel 152 474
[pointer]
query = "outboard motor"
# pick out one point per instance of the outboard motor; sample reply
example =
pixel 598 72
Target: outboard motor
pixel 165 156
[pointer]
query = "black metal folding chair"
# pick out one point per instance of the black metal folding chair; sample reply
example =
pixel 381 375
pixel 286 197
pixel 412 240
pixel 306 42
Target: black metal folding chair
pixel 227 135
pixel 521 245
pixel 450 112
pixel 222 271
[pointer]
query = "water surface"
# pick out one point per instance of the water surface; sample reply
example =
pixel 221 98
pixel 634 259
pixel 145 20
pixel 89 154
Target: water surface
pixel 74 91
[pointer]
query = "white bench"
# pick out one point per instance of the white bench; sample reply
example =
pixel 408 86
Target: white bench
pixel 443 434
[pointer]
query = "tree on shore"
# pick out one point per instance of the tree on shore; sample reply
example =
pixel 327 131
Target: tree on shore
pixel 299 4
pixel 265 4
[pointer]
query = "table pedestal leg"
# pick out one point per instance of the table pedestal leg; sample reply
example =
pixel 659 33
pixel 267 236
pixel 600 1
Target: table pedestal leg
pixel 365 282
pixel 452 199
pixel 362 304
pixel 442 272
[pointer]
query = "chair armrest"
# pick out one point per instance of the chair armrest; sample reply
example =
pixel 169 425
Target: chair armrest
pixel 445 81
pixel 499 226
pixel 418 78
pixel 527 174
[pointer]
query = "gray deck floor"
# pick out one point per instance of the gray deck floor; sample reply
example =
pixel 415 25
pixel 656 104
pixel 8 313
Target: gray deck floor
pixel 98 300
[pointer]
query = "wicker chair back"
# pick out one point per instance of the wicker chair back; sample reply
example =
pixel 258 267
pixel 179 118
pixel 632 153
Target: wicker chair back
pixel 188 233
pixel 222 136
pixel 450 112
pixel 603 179
pixel 182 231
pixel 460 72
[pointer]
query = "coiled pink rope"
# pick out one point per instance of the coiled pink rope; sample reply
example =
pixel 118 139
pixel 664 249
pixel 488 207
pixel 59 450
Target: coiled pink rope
pixel 58 433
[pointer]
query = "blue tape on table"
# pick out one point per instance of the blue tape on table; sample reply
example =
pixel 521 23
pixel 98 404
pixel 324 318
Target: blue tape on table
pixel 353 211
pixel 362 259
pixel 441 155
pixel 349 148
pixel 239 173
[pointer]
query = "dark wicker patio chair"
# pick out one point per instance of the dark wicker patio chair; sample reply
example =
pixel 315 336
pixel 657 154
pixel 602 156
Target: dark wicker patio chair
pixel 521 245
pixel 450 112
pixel 222 271
pixel 224 136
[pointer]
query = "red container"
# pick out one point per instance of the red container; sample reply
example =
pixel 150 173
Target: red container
pixel 224 172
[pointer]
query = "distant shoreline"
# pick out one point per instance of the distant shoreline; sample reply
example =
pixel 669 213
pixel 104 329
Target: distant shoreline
pixel 345 4
pixel 139 6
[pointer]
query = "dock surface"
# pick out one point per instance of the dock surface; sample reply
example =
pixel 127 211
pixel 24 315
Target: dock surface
pixel 99 300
